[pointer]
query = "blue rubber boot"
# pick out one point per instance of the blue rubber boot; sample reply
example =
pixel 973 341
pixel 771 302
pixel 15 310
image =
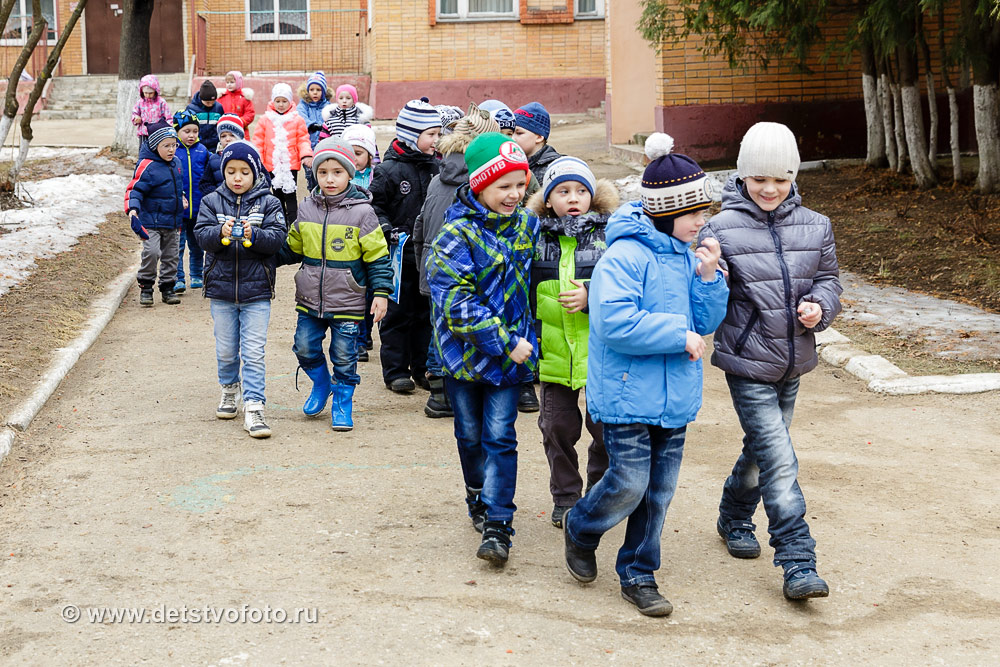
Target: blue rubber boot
pixel 341 417
pixel 316 401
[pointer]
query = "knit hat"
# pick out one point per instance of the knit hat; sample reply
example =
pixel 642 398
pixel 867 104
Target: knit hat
pixel 568 169
pixel 360 135
pixel 159 131
pixel 768 149
pixel 207 92
pixel 281 90
pixel 492 155
pixel 493 105
pixel 245 151
pixel 413 119
pixel 477 121
pixel 534 118
pixel 237 77
pixel 335 148
pixel 231 123
pixel 185 117
pixel 449 116
pixel 505 119
pixel 319 78
pixel 347 88
pixel 672 185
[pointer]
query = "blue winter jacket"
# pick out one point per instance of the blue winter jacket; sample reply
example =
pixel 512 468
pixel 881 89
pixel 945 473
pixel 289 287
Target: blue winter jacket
pixel 193 161
pixel 234 273
pixel 312 113
pixel 644 297
pixel 212 178
pixel 156 190
pixel 208 118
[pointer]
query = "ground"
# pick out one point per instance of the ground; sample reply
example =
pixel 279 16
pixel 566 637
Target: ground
pixel 127 492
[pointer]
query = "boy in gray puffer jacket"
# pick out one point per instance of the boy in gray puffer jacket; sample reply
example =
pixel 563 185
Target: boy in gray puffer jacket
pixel 784 286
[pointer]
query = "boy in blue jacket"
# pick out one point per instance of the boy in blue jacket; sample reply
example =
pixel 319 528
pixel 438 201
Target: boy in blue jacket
pixel 204 104
pixel 155 203
pixel 651 300
pixel 193 157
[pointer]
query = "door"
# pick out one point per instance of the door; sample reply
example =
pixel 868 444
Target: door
pixel 104 28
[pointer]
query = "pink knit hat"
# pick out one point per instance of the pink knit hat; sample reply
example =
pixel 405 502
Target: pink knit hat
pixel 237 77
pixel 349 89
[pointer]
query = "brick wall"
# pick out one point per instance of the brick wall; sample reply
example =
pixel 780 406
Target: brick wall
pixel 72 57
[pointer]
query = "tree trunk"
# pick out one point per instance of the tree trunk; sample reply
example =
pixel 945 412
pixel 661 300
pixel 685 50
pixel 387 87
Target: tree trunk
pixel 913 119
pixel 987 111
pixel 10 106
pixel 873 113
pixel 932 135
pixel 956 155
pixel 899 128
pixel 884 88
pixel 133 64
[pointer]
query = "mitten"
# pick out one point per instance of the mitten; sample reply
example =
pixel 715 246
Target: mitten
pixel 137 227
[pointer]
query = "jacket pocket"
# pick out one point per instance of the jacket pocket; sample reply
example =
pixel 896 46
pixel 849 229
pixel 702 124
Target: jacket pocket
pixel 307 287
pixel 341 292
pixel 745 334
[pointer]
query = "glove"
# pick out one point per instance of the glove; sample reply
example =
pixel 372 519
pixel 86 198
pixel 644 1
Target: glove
pixel 394 237
pixel 137 227
pixel 315 127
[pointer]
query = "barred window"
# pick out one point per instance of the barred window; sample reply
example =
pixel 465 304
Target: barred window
pixel 586 9
pixel 459 10
pixel 19 23
pixel 277 19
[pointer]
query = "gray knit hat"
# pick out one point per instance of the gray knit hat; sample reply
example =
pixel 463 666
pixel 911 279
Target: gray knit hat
pixel 768 149
pixel 333 148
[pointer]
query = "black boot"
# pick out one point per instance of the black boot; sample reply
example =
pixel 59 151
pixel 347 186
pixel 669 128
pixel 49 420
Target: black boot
pixel 496 542
pixel 527 401
pixel 170 297
pixel 146 297
pixel 438 404
pixel 477 508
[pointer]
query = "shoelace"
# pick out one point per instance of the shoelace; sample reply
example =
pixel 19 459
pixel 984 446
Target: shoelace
pixel 228 401
pixel 257 419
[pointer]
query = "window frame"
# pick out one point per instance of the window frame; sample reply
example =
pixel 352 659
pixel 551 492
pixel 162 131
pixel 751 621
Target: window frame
pixel 463 15
pixel 25 6
pixel 598 12
pixel 277 36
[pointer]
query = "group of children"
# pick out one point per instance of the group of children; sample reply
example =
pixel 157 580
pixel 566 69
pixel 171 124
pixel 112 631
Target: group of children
pixel 489 261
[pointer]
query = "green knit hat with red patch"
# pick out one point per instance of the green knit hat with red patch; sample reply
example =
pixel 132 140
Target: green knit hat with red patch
pixel 492 155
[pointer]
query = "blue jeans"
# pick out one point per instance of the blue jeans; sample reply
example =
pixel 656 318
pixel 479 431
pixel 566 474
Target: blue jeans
pixel 644 461
pixel 309 334
pixel 433 358
pixel 767 468
pixel 241 335
pixel 487 442
pixel 197 255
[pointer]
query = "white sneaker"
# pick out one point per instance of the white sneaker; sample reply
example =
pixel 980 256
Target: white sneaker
pixel 230 402
pixel 253 420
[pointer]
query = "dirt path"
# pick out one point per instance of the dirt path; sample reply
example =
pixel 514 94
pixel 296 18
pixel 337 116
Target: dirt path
pixel 127 492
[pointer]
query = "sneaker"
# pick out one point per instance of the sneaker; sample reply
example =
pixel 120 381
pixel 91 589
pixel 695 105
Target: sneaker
pixel 802 582
pixel 739 538
pixel 362 353
pixel 253 420
pixel 146 297
pixel 558 512
pixel 496 542
pixel 646 597
pixel 527 401
pixel 170 297
pixel 581 563
pixel 180 287
pixel 401 385
pixel 229 403
pixel 196 283
pixel 477 508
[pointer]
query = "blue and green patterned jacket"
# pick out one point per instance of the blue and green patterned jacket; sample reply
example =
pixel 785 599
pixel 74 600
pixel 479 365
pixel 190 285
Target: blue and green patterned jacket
pixel 478 270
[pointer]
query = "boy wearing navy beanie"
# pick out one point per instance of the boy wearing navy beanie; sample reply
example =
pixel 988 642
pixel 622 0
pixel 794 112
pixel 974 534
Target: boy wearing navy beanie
pixel 531 132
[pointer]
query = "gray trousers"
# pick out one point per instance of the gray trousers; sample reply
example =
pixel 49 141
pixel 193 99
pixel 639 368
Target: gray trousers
pixel 161 248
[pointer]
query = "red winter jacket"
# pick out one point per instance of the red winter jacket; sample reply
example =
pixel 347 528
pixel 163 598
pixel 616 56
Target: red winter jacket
pixel 235 103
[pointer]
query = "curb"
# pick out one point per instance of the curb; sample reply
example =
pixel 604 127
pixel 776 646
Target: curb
pixel 101 313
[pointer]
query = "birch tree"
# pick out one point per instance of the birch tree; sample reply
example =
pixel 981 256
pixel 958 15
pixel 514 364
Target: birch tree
pixel 11 106
pixel 133 64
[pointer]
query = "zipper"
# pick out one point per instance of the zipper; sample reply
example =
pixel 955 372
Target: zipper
pixel 322 255
pixel 787 281
pixel 190 187
pixel 238 246
pixel 742 340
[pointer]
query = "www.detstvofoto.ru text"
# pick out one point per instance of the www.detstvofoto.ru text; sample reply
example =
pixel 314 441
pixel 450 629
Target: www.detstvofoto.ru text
pixel 71 613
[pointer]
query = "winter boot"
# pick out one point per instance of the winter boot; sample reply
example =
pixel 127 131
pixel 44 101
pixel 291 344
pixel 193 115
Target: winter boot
pixel 253 420
pixel 527 401
pixel 438 404
pixel 802 582
pixel 316 402
pixel 496 542
pixel 146 297
pixel 170 297
pixel 230 401
pixel 341 417
pixel 477 508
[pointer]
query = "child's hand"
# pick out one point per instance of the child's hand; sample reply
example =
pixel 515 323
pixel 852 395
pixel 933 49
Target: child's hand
pixel 185 199
pixel 522 351
pixel 307 162
pixel 810 314
pixel 136 120
pixel 574 300
pixel 708 252
pixel 380 305
pixel 227 228
pixel 695 346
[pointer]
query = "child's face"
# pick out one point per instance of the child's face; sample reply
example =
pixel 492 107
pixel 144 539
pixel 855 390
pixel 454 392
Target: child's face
pixel 569 198
pixel 504 194
pixel 239 176
pixel 767 192
pixel 281 104
pixel 428 140
pixel 315 92
pixel 230 83
pixel 528 141
pixel 226 138
pixel 188 135
pixel 208 104
pixel 507 132
pixel 148 92
pixel 344 100
pixel 332 178
pixel 687 226
pixel 167 148
pixel 361 158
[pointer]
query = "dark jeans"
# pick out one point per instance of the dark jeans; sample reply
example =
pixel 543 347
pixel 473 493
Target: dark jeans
pixel 196 254
pixel 406 330
pixel 638 486
pixel 562 424
pixel 367 324
pixel 289 200
pixel 487 442
pixel 767 468
pixel 309 334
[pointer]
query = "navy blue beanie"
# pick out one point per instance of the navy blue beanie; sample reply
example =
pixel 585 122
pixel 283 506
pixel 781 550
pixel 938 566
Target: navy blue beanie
pixel 159 131
pixel 241 150
pixel 533 117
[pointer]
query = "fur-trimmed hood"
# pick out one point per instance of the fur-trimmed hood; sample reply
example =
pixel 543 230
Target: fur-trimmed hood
pixel 456 142
pixel 604 201
pixel 303 93
pixel 364 114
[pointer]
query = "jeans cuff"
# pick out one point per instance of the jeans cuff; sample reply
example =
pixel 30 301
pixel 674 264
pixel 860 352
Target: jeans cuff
pixel 636 581
pixel 801 555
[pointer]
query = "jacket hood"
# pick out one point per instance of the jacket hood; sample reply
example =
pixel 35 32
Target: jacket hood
pixel 303 93
pixel 360 112
pixel 151 81
pixel 456 142
pixel 734 198
pixel 353 196
pixel 604 201
pixel 630 222
pixel 454 171
pixel 400 151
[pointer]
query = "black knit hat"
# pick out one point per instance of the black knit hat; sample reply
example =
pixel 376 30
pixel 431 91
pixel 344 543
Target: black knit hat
pixel 207 91
pixel 672 185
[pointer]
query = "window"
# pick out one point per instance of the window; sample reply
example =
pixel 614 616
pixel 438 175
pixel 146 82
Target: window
pixel 589 9
pixel 277 19
pixel 19 23
pixel 476 10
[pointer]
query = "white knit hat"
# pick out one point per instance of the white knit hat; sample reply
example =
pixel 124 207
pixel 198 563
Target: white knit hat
pixel 360 135
pixel 768 149
pixel 281 90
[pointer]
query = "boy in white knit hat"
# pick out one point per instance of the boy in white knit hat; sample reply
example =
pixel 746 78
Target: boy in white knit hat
pixel 784 287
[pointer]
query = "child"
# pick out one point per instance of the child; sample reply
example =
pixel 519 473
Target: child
pixel 501 114
pixel 155 203
pixel 237 100
pixel 150 108
pixel 449 116
pixel 573 208
pixel 478 274
pixel 240 279
pixel 784 280
pixel 440 197
pixel 282 139
pixel 345 110
pixel 194 162
pixel 398 187
pixel 230 129
pixel 313 97
pixel 362 140
pixel 340 244
pixel 651 301
pixel 204 105
pixel 532 134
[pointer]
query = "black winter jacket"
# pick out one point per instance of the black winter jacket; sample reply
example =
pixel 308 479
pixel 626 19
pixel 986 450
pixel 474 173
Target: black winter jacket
pixel 539 163
pixel 399 187
pixel 440 196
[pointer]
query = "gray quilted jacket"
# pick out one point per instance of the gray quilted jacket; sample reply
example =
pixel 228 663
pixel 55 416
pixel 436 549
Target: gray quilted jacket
pixel 775 261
